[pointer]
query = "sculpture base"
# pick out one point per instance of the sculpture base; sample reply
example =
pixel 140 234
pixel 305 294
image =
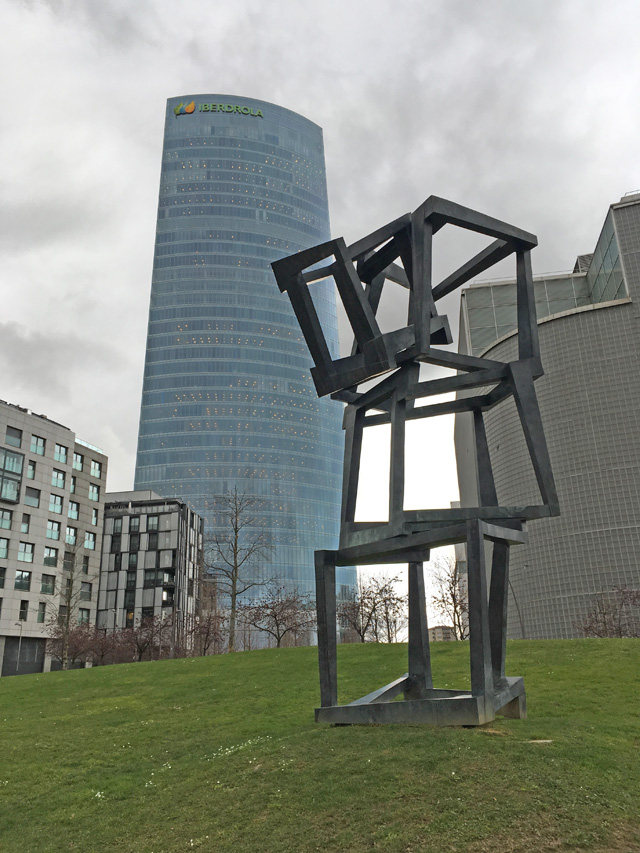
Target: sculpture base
pixel 436 708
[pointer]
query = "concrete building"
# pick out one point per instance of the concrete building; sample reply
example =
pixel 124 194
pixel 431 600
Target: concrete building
pixel 441 633
pixel 227 397
pixel 589 329
pixel 151 562
pixel 52 488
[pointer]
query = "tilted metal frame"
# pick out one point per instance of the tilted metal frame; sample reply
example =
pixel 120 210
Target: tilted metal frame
pixel 360 271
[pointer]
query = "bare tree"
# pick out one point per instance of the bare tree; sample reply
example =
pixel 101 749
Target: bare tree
pixel 69 643
pixel 377 610
pixel 390 613
pixel 236 552
pixel 612 614
pixel 280 613
pixel 107 647
pixel 147 637
pixel 357 613
pixel 451 598
pixel 65 629
pixel 209 627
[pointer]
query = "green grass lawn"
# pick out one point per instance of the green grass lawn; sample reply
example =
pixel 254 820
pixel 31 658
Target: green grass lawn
pixel 222 754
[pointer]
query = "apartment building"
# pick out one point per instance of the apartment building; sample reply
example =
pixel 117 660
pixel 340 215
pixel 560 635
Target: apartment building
pixel 151 559
pixel 52 491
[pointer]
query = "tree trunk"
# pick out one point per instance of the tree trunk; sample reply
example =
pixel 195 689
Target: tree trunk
pixel 232 616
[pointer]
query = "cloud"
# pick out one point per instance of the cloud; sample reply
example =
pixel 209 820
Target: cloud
pixel 524 111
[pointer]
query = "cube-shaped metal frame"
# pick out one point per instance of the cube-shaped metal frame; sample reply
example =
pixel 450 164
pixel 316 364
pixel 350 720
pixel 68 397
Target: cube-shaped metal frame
pixel 360 272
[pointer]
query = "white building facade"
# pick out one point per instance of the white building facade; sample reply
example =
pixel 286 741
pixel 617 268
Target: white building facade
pixel 52 488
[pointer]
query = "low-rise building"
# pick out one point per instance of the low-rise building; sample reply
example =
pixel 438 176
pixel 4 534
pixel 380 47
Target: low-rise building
pixel 441 633
pixel 151 563
pixel 52 488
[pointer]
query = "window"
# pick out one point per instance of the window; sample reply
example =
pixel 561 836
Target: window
pixel 23 580
pixel 48 584
pixel 146 613
pixel 62 613
pixel 55 503
pixel 51 556
pixel 117 525
pixel 133 561
pixel 85 564
pixel 131 580
pixel 96 469
pixel 134 524
pixel 42 612
pixel 0 608
pixel 24 609
pixel 32 497
pixel 83 616
pixel 90 541
pixel 72 487
pixel 37 445
pixel 26 521
pixel 78 459
pixel 94 492
pixel 116 544
pixel 71 536
pixel 117 562
pixel 31 470
pixel 60 453
pixel 4 548
pixel 149 578
pixel 152 522
pixel 153 542
pixel 85 591
pixel 10 474
pixel 2 574
pixel 5 518
pixel 129 619
pixel 74 510
pixel 25 552
pixel 94 516
pixel 53 529
pixel 69 561
pixel 134 542
pixel 57 479
pixel 130 598
pixel 13 437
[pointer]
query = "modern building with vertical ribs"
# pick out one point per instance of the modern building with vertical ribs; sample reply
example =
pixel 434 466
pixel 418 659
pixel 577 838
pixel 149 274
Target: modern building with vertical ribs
pixel 589 331
pixel 227 399
pixel 151 563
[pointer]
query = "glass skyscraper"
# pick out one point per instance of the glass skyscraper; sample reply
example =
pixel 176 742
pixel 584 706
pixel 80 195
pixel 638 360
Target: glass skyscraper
pixel 227 398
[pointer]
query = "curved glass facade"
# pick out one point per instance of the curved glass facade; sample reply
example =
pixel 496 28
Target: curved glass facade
pixel 227 397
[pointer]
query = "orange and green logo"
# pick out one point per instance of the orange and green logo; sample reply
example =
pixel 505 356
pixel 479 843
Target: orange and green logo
pixel 181 110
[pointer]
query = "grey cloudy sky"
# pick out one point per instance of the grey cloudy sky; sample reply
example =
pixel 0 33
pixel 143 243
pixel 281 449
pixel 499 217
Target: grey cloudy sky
pixel 527 111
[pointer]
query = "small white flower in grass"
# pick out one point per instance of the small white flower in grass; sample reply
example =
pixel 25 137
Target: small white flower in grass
pixel 99 795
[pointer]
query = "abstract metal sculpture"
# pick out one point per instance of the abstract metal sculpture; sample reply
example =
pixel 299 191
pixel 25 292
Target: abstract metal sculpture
pixel 401 253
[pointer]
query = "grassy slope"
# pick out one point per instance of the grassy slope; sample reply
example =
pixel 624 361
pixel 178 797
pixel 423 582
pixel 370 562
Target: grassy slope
pixel 222 753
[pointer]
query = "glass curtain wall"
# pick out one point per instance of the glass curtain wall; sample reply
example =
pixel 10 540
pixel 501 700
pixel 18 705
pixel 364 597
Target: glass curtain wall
pixel 227 397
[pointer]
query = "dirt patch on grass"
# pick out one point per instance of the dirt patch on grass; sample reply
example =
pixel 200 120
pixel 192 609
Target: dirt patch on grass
pixel 622 839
